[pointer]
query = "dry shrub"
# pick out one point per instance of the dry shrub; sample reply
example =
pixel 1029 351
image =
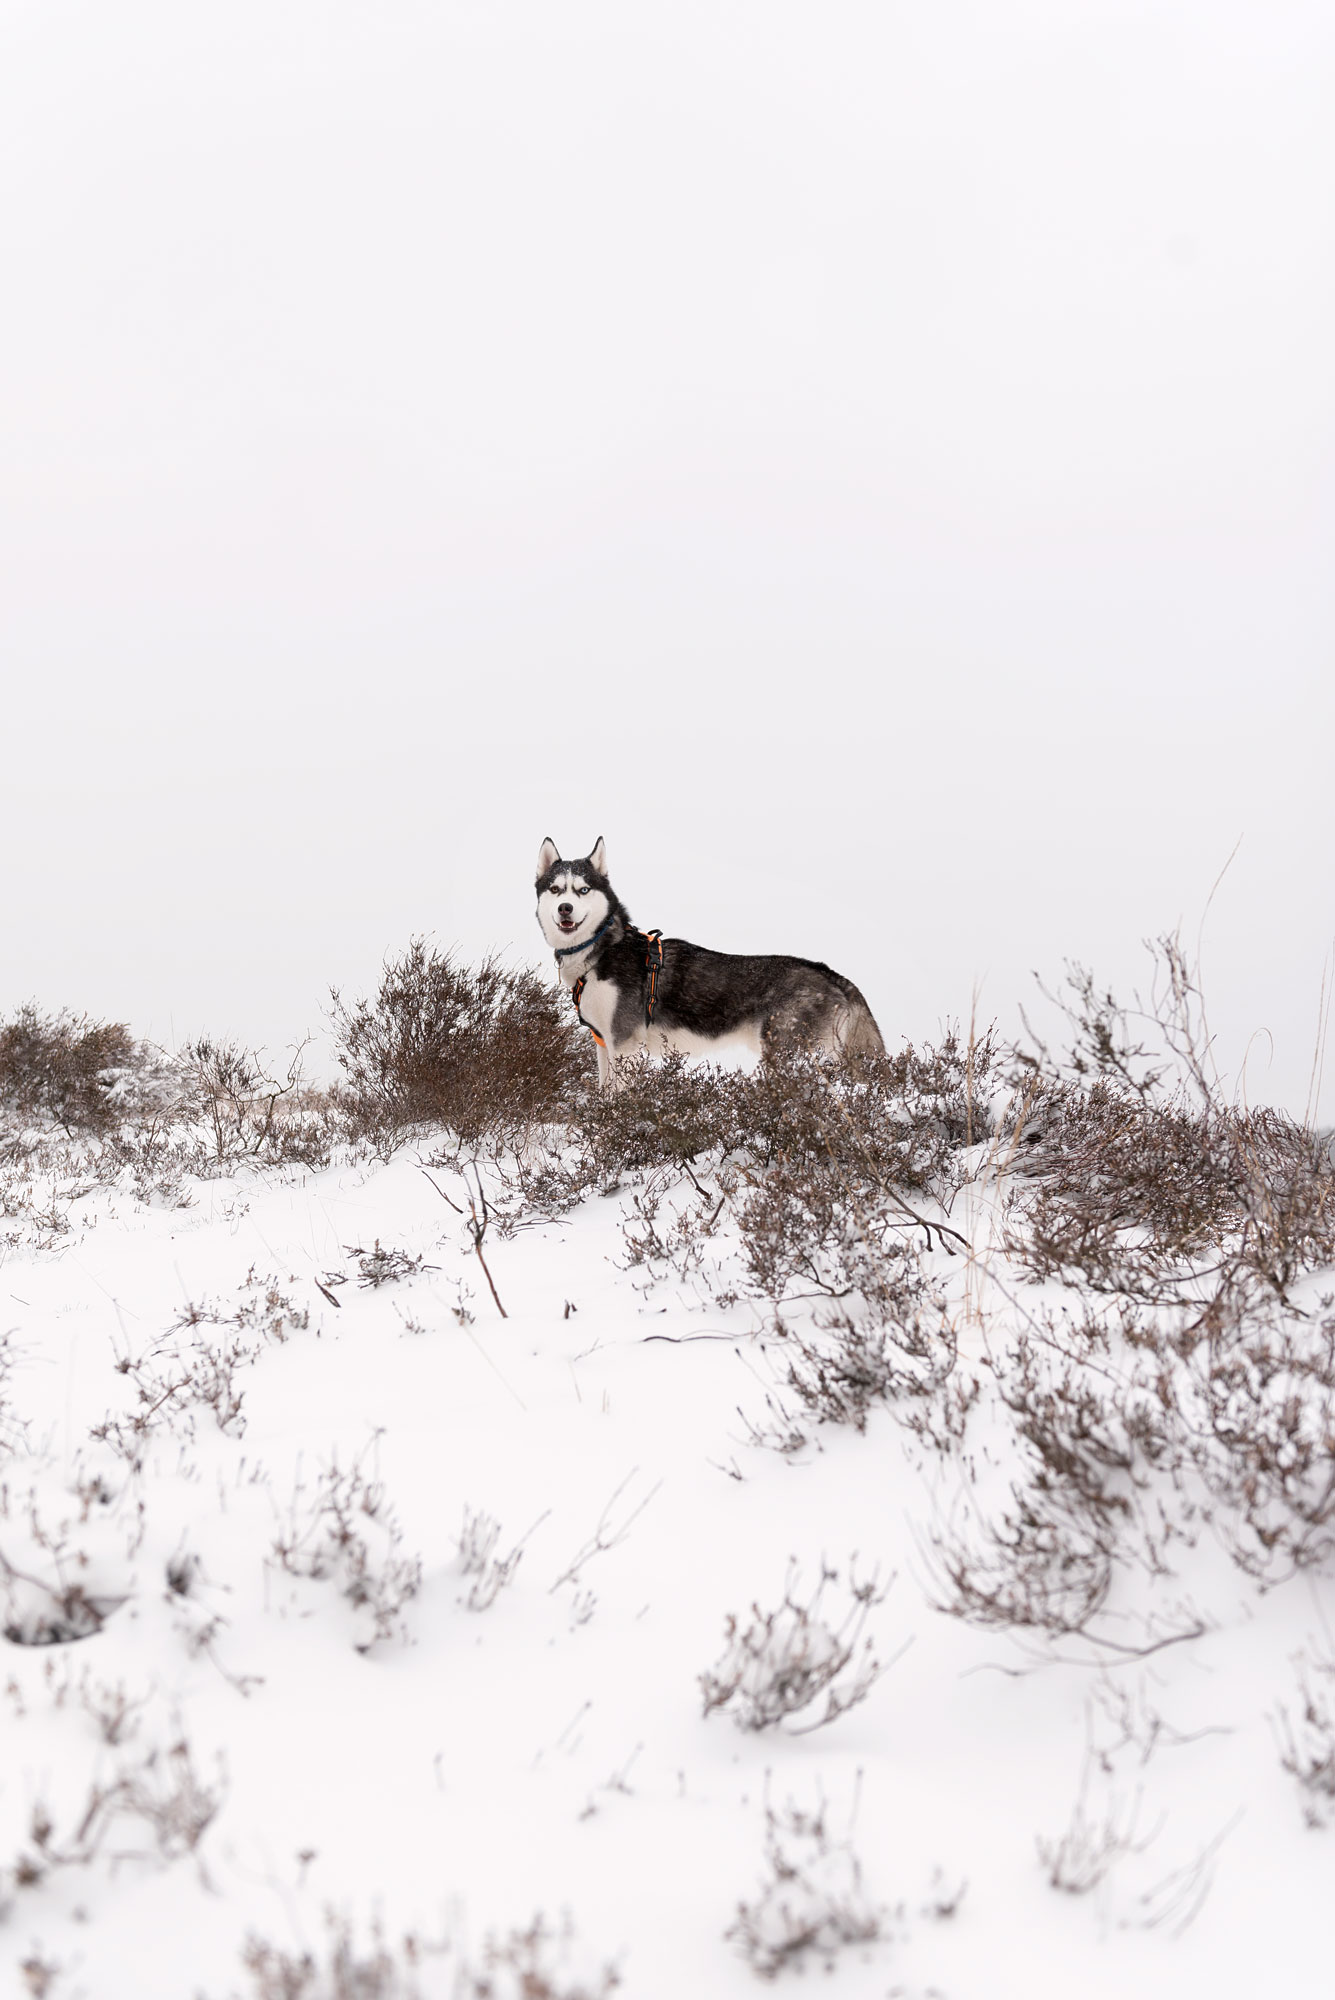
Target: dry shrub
pixel 812 1903
pixel 195 1364
pixel 893 1119
pixel 779 1663
pixel 539 1961
pixel 1141 1198
pixel 11 1428
pixel 1189 1385
pixel 162 1793
pixel 1133 1431
pixel 251 1113
pixel 1101 1831
pixel 904 1357
pixel 347 1970
pixel 89 1107
pixel 1103 1477
pixel 483 1051
pixel 1149 1177
pixel 347 1532
pixel 84 1076
pixel 383 1265
pixel 1307 1744
pixel 52 1589
pixel 810 1161
pixel 1254 1409
pixel 479 1538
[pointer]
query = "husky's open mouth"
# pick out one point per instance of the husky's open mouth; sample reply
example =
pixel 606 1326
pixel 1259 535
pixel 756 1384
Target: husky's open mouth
pixel 568 927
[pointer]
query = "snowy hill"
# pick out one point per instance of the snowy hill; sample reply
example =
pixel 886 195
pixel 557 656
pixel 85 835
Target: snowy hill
pixel 405 1597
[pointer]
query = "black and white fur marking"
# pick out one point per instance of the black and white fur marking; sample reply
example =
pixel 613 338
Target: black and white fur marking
pixel 704 1000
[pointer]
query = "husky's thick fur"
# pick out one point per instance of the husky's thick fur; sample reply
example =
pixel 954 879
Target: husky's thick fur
pixel 635 992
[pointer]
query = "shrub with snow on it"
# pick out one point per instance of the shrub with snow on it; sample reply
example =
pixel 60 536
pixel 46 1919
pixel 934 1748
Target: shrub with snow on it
pixel 782 1661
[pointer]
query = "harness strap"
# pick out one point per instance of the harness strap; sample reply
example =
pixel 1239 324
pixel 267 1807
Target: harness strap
pixel 653 959
pixel 575 992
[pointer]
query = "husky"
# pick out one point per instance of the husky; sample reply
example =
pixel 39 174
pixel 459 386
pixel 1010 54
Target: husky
pixel 638 990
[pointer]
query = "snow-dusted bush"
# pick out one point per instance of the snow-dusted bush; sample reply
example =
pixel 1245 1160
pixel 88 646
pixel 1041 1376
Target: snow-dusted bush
pixel 195 1365
pixel 780 1662
pixel 345 1970
pixel 250 1111
pixel 383 1265
pixel 539 1961
pixel 10 1429
pixel 84 1076
pixel 852 1363
pixel 93 1080
pixel 62 1561
pixel 345 1532
pixel 479 1538
pixel 812 1904
pixel 1307 1739
pixel 1148 1175
pixel 159 1796
pixel 795 1145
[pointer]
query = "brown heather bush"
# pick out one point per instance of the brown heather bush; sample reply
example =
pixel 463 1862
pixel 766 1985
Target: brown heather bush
pixel 1191 1383
pixel 1149 1178
pixel 778 1663
pixel 83 1106
pixel 250 1113
pixel 810 1160
pixel 66 1070
pixel 483 1051
pixel 873 1119
pixel 812 1904
pixel 535 1961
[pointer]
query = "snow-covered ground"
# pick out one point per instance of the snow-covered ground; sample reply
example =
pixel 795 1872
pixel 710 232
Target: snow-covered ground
pixel 419 1764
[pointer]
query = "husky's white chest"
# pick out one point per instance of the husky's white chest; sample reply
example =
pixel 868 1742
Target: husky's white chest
pixel 596 1000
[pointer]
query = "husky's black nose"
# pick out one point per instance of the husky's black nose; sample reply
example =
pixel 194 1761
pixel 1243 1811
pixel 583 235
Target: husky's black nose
pixel 565 911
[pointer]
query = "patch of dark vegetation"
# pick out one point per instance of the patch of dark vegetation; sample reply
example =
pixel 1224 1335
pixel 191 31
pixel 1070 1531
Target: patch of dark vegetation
pixel 484 1051
pixel 1150 1181
pixel 80 1075
pixel 85 1106
pixel 778 1663
pixel 251 1113
pixel 812 1904
pixel 1191 1385
pixel 884 1119
pixel 384 1266
pixel 535 1961
pixel 161 1795
pixel 816 1166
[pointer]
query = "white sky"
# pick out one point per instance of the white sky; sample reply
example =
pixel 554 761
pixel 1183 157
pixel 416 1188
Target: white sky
pixel 872 462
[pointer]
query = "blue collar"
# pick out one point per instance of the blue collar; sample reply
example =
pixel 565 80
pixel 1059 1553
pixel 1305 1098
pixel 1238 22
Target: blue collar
pixel 569 950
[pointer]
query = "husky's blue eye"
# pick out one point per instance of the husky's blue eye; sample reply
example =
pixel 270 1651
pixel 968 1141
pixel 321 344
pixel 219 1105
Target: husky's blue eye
pixel 581 892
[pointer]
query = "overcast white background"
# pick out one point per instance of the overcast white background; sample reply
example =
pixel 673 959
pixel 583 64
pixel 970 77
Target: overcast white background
pixel 873 463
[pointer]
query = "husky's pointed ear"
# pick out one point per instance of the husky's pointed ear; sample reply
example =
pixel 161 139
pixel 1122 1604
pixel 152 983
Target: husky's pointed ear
pixel 598 857
pixel 547 857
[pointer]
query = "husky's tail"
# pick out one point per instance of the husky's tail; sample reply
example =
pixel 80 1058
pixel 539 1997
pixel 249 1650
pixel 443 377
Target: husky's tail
pixel 860 1035
pixel 856 1032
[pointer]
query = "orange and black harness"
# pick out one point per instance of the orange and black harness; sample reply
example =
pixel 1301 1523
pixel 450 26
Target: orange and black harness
pixel 653 965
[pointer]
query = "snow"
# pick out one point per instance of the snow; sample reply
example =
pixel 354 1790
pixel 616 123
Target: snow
pixel 469 1769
